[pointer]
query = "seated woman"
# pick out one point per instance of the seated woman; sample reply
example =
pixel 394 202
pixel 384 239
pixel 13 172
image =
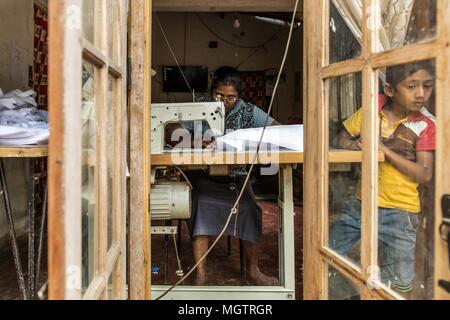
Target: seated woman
pixel 213 197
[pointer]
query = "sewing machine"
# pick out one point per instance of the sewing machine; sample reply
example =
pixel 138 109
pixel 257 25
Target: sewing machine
pixel 167 113
pixel 170 196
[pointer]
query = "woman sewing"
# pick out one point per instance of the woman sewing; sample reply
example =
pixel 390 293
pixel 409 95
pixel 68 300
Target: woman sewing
pixel 214 196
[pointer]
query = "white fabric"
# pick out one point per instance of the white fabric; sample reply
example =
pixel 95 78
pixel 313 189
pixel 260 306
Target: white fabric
pixel 275 137
pixel 394 20
pixel 21 123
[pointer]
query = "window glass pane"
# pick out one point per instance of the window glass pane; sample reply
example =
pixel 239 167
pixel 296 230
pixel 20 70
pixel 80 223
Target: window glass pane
pixel 345 210
pixel 114 30
pixel 89 7
pixel 340 288
pixel 345 30
pixel 88 170
pixel 110 155
pixel 406 192
pixel 406 21
pixel 344 178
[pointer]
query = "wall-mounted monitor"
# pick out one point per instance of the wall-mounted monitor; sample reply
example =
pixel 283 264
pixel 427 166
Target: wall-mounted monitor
pixel 173 80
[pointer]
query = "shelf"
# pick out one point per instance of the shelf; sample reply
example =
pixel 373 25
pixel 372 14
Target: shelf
pixel 24 151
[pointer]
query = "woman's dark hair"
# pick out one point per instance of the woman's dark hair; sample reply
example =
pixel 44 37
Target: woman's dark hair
pixel 396 74
pixel 226 76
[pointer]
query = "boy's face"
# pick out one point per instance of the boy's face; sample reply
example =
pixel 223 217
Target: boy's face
pixel 414 92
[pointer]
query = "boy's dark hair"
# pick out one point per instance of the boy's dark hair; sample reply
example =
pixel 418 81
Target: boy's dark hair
pixel 396 74
pixel 227 76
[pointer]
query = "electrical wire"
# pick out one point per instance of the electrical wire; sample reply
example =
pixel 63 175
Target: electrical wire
pixel 234 44
pixel 259 48
pixel 174 56
pixel 185 177
pixel 247 179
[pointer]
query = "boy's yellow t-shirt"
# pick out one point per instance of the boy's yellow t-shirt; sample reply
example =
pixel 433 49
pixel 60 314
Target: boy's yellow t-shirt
pixel 397 190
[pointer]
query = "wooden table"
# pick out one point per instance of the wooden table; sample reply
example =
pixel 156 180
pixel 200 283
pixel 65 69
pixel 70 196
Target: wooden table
pixel 282 157
pixel 286 161
pixel 29 153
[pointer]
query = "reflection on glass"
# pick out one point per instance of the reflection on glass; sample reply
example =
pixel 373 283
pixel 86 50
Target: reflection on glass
pixel 88 170
pixel 110 130
pixel 340 288
pixel 345 99
pixel 345 210
pixel 407 128
pixel 344 186
pixel 89 19
pixel 113 30
pixel 345 30
pixel 406 21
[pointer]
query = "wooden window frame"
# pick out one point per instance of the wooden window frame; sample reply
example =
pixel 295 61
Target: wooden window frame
pixel 67 50
pixel 317 72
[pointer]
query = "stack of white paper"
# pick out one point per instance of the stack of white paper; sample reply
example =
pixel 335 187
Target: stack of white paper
pixel 275 137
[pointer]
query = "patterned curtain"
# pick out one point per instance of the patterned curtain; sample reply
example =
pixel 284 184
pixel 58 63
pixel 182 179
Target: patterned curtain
pixel 40 56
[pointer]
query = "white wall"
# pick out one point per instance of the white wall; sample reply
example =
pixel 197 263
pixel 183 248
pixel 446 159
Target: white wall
pixel 194 50
pixel 16 43
pixel 16 54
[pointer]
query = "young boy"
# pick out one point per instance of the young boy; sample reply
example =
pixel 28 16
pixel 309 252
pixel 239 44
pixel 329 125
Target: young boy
pixel 407 132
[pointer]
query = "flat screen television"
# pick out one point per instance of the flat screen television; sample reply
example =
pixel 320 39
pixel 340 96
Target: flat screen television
pixel 173 81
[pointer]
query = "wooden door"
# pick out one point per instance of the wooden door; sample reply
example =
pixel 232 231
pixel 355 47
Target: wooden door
pixel 351 48
pixel 88 149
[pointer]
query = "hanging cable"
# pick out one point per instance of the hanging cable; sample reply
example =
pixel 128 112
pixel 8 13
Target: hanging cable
pixel 234 44
pixel 174 56
pixel 247 179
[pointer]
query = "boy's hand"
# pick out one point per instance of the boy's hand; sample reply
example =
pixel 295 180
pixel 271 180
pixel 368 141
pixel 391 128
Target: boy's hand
pixel 399 146
pixel 356 145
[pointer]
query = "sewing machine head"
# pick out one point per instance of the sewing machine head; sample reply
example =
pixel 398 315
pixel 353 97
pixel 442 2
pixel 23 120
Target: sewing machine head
pixel 166 113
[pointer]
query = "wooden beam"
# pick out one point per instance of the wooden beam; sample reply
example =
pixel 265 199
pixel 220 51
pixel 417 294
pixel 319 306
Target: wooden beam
pixel 343 68
pixel 101 235
pixel 208 158
pixel 224 6
pixel 65 231
pixel 315 166
pixel 56 259
pixel 441 258
pixel 140 49
pixel 354 275
pixel 120 230
pixel 370 136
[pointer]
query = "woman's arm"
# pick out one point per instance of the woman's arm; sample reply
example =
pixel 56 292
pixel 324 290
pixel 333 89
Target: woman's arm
pixel 420 171
pixel 275 123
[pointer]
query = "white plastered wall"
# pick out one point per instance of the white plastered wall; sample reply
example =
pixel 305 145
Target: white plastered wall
pixel 195 51
pixel 16 55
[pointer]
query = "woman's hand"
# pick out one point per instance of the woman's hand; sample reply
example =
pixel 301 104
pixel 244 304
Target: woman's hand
pixel 209 144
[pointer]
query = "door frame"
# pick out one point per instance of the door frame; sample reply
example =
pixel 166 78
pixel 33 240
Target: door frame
pixel 317 70
pixel 68 48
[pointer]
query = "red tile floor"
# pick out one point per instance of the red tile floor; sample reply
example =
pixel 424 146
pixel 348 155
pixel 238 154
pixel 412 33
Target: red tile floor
pixel 224 270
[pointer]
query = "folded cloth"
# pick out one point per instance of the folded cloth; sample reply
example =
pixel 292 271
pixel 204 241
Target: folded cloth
pixel 21 123
pixel 18 99
pixel 23 136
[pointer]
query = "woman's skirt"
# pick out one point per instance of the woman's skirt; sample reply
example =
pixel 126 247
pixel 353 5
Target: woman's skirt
pixel 212 201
